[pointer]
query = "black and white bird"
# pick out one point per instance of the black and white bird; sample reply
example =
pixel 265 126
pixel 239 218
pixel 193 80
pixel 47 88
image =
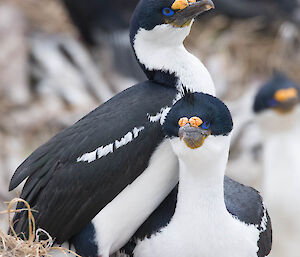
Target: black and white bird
pixel 207 215
pixel 277 112
pixel 115 162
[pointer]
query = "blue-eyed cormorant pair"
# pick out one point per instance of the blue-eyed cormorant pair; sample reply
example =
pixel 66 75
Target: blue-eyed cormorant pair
pixel 115 162
pixel 277 113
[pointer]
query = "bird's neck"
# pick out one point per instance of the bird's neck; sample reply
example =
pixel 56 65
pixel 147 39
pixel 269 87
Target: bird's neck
pixel 201 191
pixel 171 64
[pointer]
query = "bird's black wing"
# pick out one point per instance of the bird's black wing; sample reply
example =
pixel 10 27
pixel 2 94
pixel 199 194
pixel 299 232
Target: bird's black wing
pixel 68 193
pixel 246 204
pixel 243 202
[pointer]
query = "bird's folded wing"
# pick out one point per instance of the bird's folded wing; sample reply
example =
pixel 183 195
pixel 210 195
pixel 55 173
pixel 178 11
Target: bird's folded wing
pixel 246 204
pixel 80 170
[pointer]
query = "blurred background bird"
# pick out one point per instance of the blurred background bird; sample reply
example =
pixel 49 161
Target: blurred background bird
pixel 277 112
pixel 51 75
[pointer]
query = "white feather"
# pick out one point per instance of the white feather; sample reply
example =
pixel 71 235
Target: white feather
pixel 124 140
pixel 105 150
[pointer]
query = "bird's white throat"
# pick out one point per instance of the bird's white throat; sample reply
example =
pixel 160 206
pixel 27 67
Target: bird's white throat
pixel 201 178
pixel 162 49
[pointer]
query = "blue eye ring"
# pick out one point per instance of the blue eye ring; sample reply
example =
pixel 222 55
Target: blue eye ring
pixel 168 12
pixel 206 125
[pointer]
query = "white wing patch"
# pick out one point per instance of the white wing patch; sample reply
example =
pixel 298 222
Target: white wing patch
pixel 88 157
pixel 160 116
pixel 264 221
pixel 178 96
pixel 124 140
pixel 164 115
pixel 155 118
pixel 105 150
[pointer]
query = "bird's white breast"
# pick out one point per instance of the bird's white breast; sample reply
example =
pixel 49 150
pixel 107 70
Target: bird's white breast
pixel 201 225
pixel 198 236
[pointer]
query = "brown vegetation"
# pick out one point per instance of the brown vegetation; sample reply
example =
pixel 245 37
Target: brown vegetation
pixel 12 245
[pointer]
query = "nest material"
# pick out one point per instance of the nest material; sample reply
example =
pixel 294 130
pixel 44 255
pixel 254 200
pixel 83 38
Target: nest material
pixel 12 245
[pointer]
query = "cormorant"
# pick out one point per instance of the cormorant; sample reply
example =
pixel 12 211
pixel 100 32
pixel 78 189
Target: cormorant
pixel 277 112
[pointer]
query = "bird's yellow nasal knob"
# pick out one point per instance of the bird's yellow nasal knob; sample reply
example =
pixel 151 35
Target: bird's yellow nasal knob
pixel 179 4
pixel 195 122
pixel 183 121
pixel 283 95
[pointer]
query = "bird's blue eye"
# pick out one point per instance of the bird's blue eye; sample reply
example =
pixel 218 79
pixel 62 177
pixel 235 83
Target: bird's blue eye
pixel 168 12
pixel 206 125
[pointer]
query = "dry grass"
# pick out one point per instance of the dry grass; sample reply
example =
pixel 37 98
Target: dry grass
pixel 12 245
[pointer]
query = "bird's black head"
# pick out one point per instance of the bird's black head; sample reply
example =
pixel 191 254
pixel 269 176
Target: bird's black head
pixel 196 117
pixel 158 29
pixel 279 94
pixel 176 13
